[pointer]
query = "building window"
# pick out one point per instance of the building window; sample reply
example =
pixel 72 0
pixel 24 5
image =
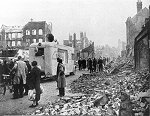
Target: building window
pixel 13 35
pixel 27 32
pixel 40 40
pixel 28 40
pixel 13 43
pixel 9 36
pixel 27 44
pixel 19 35
pixel 8 43
pixel 40 32
pixel 34 40
pixel 33 32
pixel 19 43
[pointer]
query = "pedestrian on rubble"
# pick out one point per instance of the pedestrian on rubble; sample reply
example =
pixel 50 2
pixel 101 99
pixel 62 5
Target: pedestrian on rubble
pixel 19 79
pixel 1 66
pixel 79 63
pixel 35 76
pixel 61 81
pixel 104 61
pixel 84 64
pixel 90 65
pixel 94 64
pixel 100 64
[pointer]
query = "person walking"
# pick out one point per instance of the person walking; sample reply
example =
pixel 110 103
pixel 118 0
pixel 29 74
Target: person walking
pixel 90 65
pixel 100 64
pixel 19 79
pixel 1 67
pixel 94 64
pixel 34 83
pixel 61 81
pixel 79 63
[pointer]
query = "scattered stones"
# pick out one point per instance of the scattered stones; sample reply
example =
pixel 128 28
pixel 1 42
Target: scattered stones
pixel 125 93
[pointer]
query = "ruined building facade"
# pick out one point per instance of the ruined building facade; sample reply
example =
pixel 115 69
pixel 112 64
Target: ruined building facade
pixel 134 26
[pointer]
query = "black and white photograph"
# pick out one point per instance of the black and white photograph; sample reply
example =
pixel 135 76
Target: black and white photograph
pixel 75 57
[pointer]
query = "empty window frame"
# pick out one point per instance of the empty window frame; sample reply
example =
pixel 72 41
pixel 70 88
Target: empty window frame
pixel 40 40
pixel 33 32
pixel 40 32
pixel 13 43
pixel 18 43
pixel 19 35
pixel 27 32
pixel 34 40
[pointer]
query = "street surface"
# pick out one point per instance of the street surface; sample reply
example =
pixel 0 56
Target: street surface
pixel 21 106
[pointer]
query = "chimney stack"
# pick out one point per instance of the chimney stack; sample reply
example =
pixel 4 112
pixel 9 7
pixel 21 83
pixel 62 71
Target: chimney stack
pixel 139 5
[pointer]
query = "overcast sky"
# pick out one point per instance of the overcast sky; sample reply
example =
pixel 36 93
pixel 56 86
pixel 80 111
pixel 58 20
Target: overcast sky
pixel 102 20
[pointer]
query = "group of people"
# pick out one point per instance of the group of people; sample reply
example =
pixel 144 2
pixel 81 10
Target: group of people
pixel 27 77
pixel 23 76
pixel 93 65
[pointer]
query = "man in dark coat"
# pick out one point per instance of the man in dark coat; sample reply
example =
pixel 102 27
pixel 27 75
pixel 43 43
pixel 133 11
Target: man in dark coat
pixel 94 64
pixel 26 87
pixel 90 65
pixel 6 69
pixel 61 81
pixel 84 64
pixel 35 82
pixel 79 63
pixel 100 64
pixel 1 66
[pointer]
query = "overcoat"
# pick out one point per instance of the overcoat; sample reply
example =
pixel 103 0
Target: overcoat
pixel 61 76
pixel 34 80
pixel 21 71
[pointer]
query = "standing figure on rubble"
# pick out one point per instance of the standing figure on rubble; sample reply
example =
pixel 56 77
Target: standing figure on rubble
pixel 94 64
pixel 104 61
pixel 84 64
pixel 100 64
pixel 79 63
pixel 61 81
pixel 1 66
pixel 90 65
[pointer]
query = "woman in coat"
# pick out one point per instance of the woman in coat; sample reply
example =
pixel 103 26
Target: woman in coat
pixel 35 76
pixel 61 81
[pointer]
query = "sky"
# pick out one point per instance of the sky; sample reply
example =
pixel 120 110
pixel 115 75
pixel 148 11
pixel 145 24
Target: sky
pixel 102 20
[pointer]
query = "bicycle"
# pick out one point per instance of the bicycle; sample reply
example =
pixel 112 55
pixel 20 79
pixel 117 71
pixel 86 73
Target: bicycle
pixel 6 83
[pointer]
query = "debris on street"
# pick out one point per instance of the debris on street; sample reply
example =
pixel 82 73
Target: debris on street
pixel 119 92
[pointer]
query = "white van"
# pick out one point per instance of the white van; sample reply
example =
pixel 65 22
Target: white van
pixel 46 54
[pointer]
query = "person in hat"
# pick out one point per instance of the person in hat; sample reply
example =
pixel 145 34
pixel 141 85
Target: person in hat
pixel 61 81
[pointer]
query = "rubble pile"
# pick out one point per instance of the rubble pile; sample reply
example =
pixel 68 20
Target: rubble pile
pixel 120 64
pixel 105 95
